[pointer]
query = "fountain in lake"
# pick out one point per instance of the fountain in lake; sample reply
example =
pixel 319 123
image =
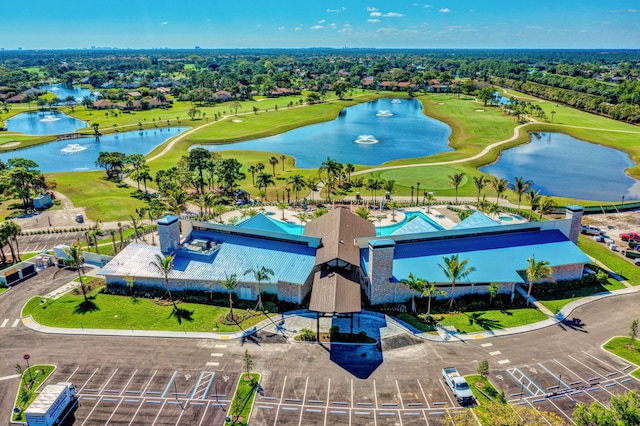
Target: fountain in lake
pixel 396 101
pixel 72 148
pixel 384 113
pixel 366 140
pixel 49 118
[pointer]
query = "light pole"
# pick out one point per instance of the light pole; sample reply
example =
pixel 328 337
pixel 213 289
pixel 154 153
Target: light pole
pixel 622 201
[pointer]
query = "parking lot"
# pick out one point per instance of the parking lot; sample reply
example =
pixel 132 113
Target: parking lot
pixel 39 242
pixel 127 396
pixel 558 384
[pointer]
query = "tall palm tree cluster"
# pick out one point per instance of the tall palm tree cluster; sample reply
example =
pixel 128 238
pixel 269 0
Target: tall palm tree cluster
pixel 9 233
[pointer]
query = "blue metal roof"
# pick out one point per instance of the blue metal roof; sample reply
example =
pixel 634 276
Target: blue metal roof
pixel 476 220
pixel 261 223
pixel 167 219
pixel 290 262
pixel 495 257
pixel 415 226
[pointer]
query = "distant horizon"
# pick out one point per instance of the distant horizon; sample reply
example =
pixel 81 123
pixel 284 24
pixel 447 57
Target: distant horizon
pixel 356 24
pixel 197 48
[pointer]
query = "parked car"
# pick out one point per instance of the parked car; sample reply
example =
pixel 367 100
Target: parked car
pixel 591 230
pixel 598 238
pixel 636 261
pixel 629 236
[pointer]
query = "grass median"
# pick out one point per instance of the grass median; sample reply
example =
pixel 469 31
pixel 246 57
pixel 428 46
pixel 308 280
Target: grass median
pixel 626 349
pixel 30 381
pixel 493 319
pixel 627 270
pixel 106 311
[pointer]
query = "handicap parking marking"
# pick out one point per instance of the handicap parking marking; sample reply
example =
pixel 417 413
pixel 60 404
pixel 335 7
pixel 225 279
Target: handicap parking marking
pixel 525 381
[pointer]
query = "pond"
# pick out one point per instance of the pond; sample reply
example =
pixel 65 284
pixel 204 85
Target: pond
pixel 62 91
pixel 370 134
pixel 81 154
pixel 564 166
pixel 43 123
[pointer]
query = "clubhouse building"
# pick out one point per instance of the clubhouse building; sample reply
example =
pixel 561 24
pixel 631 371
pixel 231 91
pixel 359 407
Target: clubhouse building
pixel 338 259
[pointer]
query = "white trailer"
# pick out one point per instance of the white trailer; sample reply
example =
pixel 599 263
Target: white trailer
pixel 52 405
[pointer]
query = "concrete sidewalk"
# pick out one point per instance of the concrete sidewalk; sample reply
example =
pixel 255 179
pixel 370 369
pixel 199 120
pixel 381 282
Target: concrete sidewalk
pixel 288 324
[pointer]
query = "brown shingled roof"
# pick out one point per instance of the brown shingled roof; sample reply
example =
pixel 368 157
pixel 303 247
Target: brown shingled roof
pixel 334 294
pixel 338 230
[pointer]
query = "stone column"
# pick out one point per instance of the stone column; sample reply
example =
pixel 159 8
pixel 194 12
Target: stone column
pixel 381 290
pixel 575 214
pixel 169 233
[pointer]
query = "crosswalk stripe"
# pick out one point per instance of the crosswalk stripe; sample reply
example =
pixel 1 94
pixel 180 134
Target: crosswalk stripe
pixel 213 364
pixel 4 323
pixel 15 323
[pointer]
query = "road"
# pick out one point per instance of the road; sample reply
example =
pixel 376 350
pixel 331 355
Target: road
pixel 123 377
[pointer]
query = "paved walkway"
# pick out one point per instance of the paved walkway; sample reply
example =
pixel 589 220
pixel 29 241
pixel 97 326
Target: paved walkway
pixel 289 323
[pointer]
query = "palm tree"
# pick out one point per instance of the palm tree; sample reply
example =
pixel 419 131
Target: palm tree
pixel 282 160
pixel 113 232
pixel 349 168
pixel 264 180
pixel 538 271
pixel 393 205
pixel 455 270
pixel 297 183
pixel 75 259
pixel 253 170
pixel 499 185
pixel 283 206
pixel 13 231
pixel 415 285
pixel 176 201
pixel 374 185
pixel 432 290
pixel 455 180
pixel 273 161
pixel 479 182
pixel 136 227
pixel 363 212
pixel 520 186
pixel 260 274
pixel 534 200
pixel 230 283
pixel 164 265
pixel 312 185
pixel 547 205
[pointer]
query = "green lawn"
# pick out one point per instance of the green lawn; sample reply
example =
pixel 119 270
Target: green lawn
pixel 122 313
pixel 482 389
pixel 558 300
pixel 3 289
pixel 470 322
pixel 29 383
pixel 243 399
pixel 613 261
pixel 618 346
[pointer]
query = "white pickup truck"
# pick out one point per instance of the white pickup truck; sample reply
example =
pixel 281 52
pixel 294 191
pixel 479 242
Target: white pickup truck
pixel 458 385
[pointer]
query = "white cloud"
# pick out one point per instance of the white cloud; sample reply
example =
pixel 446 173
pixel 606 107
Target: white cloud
pixel 297 29
pixel 348 25
pixel 625 11
pixel 373 20
pixel 372 9
pixel 342 9
pixel 317 27
pixel 393 15
pixel 332 25
pixel 345 30
pixel 427 6
pixel 164 23
pixel 445 10
pixel 375 14
pixel 583 31
pixel 322 21
pixel 281 29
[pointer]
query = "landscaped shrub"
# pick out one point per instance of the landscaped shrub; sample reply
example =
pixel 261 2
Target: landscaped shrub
pixel 306 335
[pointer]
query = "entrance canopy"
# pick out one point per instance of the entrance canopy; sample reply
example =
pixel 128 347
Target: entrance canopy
pixel 333 293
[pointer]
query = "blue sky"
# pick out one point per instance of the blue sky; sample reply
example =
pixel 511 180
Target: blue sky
pixel 43 24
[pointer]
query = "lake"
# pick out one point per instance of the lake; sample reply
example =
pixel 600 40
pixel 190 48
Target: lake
pixel 81 154
pixel 44 123
pixel 62 91
pixel 564 166
pixel 370 134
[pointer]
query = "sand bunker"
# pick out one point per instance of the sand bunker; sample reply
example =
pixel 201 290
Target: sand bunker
pixel 236 121
pixel 440 103
pixel 479 110
pixel 9 144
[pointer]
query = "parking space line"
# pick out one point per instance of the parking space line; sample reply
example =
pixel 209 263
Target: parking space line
pixel 554 376
pixel 399 394
pixel 204 415
pixel 521 382
pixel 423 394
pixel 148 383
pixel 586 366
pixel 375 393
pixel 164 394
pixel 114 411
pixel 284 385
pixel 561 411
pixel 87 381
pixel 326 411
pixel 92 410
pixel 109 379
pixel 160 410
pixel 74 372
pixel 602 362
pixel 447 391
pixel 195 387
pixel 304 398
